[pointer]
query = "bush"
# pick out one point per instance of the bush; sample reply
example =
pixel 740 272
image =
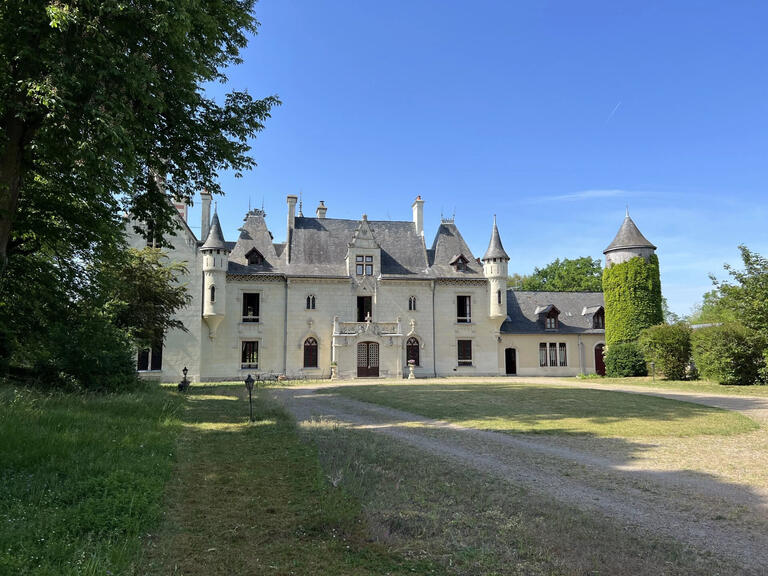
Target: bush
pixel 625 359
pixel 669 347
pixel 730 354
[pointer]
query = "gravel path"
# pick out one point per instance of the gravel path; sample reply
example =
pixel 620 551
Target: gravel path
pixel 702 509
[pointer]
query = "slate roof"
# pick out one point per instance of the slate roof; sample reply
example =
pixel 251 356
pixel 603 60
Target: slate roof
pixel 449 244
pixel 628 236
pixel 215 238
pixel 495 248
pixel 254 234
pixel 523 319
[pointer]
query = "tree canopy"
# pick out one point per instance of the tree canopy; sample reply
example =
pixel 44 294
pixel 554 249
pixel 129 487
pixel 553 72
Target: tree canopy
pixel 579 274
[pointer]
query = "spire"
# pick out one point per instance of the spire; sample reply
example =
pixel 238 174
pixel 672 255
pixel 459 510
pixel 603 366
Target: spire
pixel 495 248
pixel 215 240
pixel 628 236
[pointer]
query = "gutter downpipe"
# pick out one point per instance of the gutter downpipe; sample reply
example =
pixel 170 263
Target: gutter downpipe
pixel 581 356
pixel 285 331
pixel 434 344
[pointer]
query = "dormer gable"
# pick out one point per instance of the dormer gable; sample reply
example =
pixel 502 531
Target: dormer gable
pixel 549 315
pixel 595 316
pixel 363 252
pixel 459 262
pixel 254 257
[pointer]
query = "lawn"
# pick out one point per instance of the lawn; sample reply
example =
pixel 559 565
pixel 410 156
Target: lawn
pixel 82 478
pixel 545 409
pixel 697 386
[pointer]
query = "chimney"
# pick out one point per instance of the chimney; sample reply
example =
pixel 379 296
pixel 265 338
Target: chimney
pixel 321 210
pixel 418 215
pixel 205 224
pixel 291 211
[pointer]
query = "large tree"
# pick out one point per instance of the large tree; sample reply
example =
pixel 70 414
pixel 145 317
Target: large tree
pixel 579 274
pixel 102 110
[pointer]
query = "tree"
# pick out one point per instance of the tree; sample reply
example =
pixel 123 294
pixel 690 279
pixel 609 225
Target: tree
pixel 730 354
pixel 580 275
pixel 102 110
pixel 669 347
pixel 748 297
pixel 714 309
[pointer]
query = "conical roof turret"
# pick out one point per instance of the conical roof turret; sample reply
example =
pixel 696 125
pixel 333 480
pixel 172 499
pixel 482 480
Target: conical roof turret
pixel 628 237
pixel 215 240
pixel 495 248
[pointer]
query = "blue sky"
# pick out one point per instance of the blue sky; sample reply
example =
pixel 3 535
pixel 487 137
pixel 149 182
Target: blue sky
pixel 552 115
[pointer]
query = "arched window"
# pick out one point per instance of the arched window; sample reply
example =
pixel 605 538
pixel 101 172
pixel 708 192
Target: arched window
pixel 310 353
pixel 213 293
pixel 412 350
pixel 311 302
pixel 412 303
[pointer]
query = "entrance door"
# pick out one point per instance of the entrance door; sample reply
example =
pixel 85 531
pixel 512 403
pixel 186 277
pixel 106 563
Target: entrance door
pixel 364 308
pixel 367 359
pixel 510 360
pixel 599 361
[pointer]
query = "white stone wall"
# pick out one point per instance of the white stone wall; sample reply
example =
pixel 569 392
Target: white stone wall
pixel 579 351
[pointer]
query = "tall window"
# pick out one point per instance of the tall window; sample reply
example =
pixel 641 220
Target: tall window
pixel 543 354
pixel 311 302
pixel 563 355
pixel 250 354
pixel 464 309
pixel 598 320
pixel 498 296
pixel 412 350
pixel 412 303
pixel 465 352
pixel 553 354
pixel 251 307
pixel 310 353
pixel 212 291
pixel 364 265
pixel 150 359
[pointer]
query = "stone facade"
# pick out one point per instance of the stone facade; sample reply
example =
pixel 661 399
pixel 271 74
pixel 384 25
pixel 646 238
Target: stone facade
pixel 363 297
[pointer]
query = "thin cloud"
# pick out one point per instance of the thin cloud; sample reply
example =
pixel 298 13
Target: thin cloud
pixel 590 194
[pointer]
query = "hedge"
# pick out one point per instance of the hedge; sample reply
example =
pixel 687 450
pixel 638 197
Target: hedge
pixel 632 292
pixel 730 354
pixel 625 359
pixel 669 347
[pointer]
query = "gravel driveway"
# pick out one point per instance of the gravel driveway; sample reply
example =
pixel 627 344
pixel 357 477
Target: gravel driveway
pixel 709 492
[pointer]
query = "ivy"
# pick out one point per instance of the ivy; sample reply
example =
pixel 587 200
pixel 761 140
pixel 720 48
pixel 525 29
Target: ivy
pixel 632 292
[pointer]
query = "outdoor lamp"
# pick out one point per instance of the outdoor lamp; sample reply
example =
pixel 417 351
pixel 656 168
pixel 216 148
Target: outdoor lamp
pixel 249 385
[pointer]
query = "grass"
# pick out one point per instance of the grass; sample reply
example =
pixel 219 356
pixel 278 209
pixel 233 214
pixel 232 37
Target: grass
pixel 537 409
pixel 82 478
pixel 697 386
pixel 472 523
pixel 252 499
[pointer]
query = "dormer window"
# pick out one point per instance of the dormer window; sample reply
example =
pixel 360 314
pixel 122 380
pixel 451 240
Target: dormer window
pixel 598 320
pixel 459 263
pixel 364 265
pixel 254 257
pixel 551 320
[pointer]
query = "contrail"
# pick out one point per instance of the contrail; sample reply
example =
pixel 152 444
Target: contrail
pixel 613 112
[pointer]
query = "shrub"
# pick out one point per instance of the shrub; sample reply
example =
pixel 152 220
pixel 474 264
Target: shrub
pixel 730 354
pixel 669 347
pixel 632 292
pixel 625 359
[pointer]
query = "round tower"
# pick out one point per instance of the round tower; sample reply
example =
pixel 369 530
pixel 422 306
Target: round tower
pixel 495 264
pixel 631 285
pixel 215 263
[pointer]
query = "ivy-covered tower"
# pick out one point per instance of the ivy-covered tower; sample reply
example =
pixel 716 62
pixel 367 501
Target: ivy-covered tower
pixel 631 285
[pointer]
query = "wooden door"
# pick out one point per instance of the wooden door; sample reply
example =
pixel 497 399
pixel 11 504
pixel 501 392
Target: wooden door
pixel 367 360
pixel 599 361
pixel 510 360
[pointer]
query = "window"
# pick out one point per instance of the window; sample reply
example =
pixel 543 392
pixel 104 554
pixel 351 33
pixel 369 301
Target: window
pixel 251 307
pixel 498 296
pixel 465 352
pixel 598 320
pixel 412 351
pixel 551 320
pixel 310 353
pixel 563 355
pixel 553 354
pixel 364 265
pixel 250 354
pixel 150 359
pixel 543 354
pixel 254 257
pixel 364 308
pixel 412 303
pixel 464 309
pixel 212 291
pixel 311 302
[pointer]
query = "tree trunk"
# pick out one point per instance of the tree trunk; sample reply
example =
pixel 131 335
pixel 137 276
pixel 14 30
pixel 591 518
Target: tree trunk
pixel 10 181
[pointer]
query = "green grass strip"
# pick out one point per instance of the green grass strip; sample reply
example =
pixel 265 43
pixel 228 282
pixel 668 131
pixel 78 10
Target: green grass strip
pixel 542 409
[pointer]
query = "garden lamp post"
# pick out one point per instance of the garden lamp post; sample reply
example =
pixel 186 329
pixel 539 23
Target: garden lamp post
pixel 249 385
pixel 184 384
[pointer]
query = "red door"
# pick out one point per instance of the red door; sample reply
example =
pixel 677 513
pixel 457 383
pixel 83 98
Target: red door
pixel 599 361
pixel 367 359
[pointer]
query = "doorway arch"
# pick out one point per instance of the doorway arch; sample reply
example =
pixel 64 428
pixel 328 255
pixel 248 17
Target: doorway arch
pixel 367 360
pixel 510 361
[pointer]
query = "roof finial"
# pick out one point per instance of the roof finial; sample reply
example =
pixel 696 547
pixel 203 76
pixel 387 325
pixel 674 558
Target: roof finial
pixel 627 215
pixel 301 203
pixel 215 206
